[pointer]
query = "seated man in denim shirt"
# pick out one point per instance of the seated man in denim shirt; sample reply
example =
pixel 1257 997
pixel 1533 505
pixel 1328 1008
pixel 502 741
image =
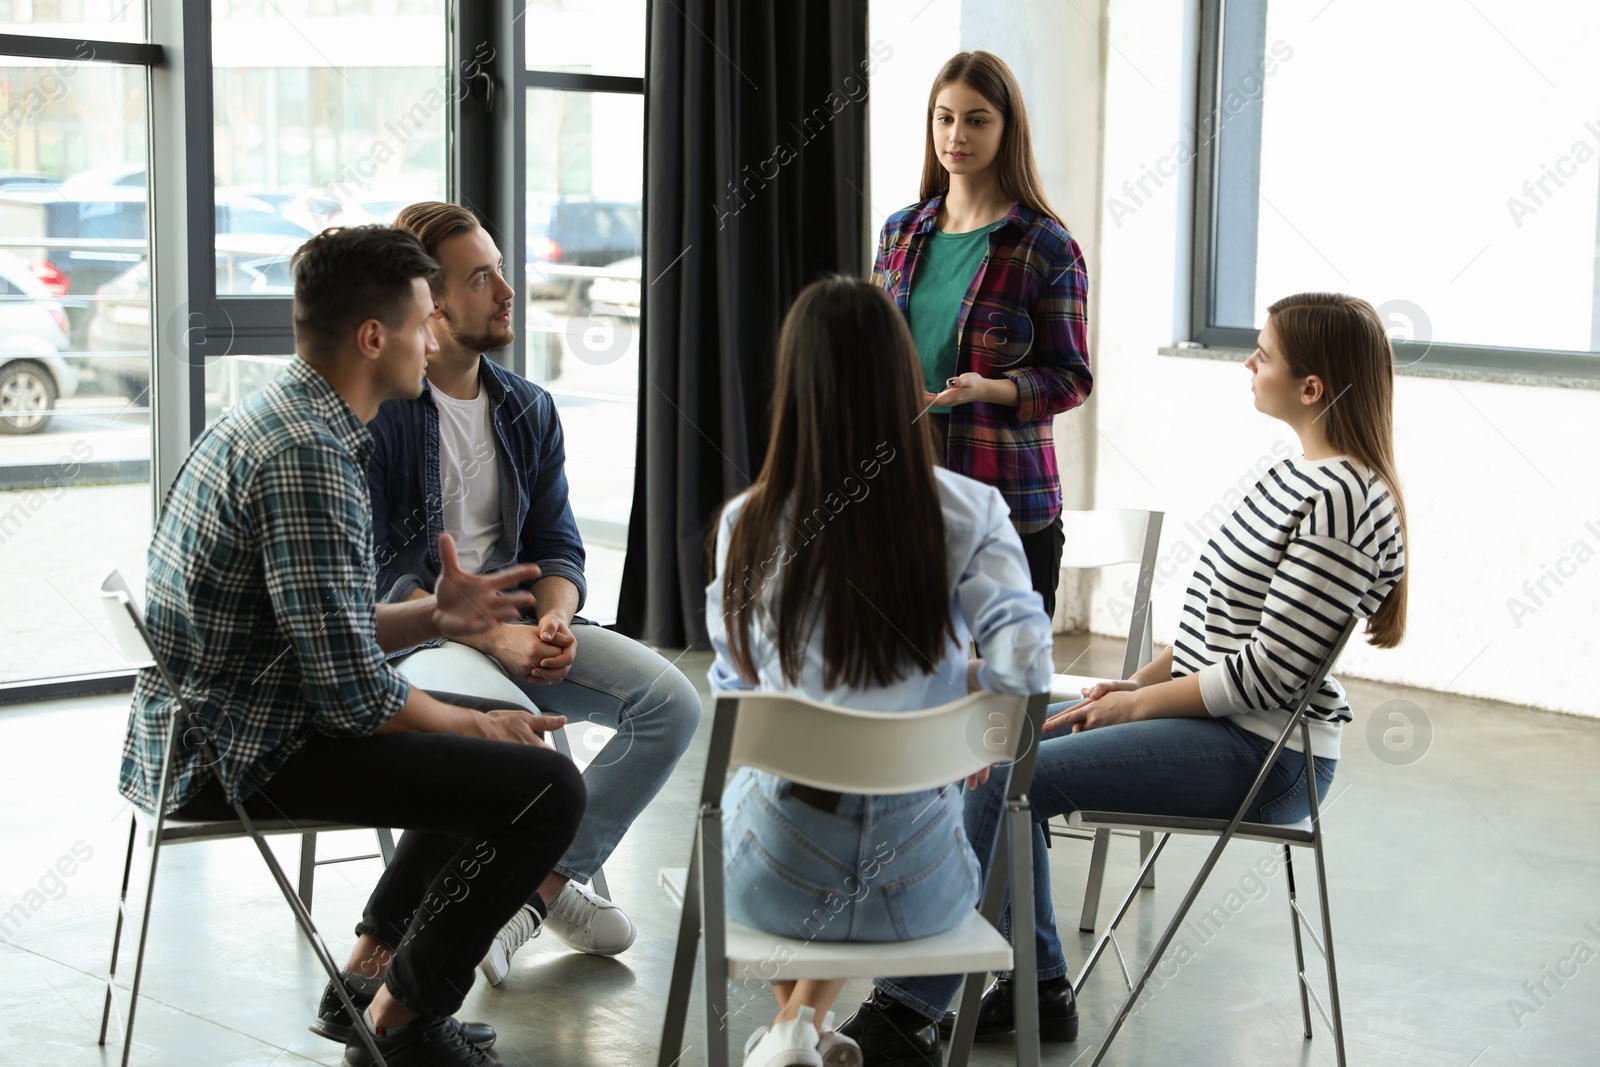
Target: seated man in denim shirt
pixel 262 604
pixel 480 455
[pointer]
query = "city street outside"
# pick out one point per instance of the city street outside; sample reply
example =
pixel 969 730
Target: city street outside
pixel 58 539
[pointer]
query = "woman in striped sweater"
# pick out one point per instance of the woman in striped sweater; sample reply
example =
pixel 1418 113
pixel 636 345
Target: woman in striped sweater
pixel 1318 539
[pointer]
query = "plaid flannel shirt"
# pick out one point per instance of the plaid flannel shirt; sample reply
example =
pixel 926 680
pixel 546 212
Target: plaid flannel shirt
pixel 1024 317
pixel 261 592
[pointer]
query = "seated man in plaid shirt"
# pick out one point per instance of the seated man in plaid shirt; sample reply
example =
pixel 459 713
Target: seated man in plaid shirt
pixel 261 600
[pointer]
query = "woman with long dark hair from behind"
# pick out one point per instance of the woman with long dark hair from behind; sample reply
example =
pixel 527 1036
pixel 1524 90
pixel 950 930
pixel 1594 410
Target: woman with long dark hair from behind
pixel 1319 539
pixel 854 571
pixel 994 290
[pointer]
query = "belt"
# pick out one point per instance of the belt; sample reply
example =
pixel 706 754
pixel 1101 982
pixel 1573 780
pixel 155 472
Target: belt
pixel 821 799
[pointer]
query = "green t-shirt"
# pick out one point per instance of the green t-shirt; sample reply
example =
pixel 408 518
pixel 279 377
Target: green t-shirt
pixel 949 263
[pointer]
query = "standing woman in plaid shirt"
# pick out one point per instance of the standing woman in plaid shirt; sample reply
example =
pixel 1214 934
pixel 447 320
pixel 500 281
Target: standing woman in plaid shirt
pixel 994 290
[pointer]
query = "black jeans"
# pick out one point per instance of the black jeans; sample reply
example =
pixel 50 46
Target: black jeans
pixel 1043 549
pixel 485 823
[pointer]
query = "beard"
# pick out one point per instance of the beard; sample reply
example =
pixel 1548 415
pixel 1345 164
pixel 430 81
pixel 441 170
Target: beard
pixel 483 337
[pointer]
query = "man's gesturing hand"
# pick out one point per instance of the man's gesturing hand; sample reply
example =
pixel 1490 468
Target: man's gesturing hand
pixel 519 727
pixel 472 603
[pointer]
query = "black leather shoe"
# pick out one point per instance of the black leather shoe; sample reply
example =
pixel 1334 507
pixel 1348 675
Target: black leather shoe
pixel 1058 1012
pixel 430 1041
pixel 891 1034
pixel 332 1022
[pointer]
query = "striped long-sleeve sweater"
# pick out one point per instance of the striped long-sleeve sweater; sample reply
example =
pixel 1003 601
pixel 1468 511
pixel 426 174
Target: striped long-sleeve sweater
pixel 1311 544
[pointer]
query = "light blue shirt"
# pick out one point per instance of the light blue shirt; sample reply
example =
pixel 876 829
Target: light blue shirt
pixel 992 601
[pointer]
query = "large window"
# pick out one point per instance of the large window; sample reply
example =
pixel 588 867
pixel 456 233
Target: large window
pixel 75 327
pixel 584 167
pixel 1445 166
pixel 325 114
pixel 300 114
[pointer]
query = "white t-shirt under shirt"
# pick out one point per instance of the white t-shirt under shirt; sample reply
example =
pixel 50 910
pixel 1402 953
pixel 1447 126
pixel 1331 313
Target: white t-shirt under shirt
pixel 469 480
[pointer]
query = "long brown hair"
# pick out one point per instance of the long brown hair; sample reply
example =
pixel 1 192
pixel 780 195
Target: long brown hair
pixel 987 75
pixel 1341 340
pixel 842 528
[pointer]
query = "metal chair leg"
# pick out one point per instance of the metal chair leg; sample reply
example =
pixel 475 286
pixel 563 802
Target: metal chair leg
pixel 967 1019
pixel 308 867
pixel 302 915
pixel 1109 936
pixel 1337 1022
pixel 564 746
pixel 991 905
pixel 1147 840
pixel 1097 878
pixel 144 936
pixel 116 938
pixel 681 983
pixel 385 846
pixel 714 933
pixel 1299 949
pixel 1025 970
pixel 1165 940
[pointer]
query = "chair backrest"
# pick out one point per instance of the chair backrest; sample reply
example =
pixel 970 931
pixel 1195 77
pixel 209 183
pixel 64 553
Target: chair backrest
pixel 126 619
pixel 1106 537
pixel 848 750
pixel 1110 536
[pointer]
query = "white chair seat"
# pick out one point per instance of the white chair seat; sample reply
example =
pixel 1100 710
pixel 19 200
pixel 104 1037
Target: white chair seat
pixel 1295 833
pixel 1070 686
pixel 456 668
pixel 971 946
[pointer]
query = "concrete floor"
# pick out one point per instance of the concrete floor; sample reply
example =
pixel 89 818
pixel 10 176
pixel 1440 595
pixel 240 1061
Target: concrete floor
pixel 1463 881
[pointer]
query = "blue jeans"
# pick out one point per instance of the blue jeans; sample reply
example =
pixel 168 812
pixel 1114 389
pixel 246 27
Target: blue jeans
pixel 888 868
pixel 618 683
pixel 1195 767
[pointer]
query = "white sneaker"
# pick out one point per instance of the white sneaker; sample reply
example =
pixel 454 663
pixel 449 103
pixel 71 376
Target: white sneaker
pixel 589 922
pixel 523 927
pixel 791 1043
pixel 835 1049
pixel 755 1039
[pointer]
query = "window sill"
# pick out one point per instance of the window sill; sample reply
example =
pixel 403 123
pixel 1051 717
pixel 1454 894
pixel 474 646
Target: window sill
pixel 1417 370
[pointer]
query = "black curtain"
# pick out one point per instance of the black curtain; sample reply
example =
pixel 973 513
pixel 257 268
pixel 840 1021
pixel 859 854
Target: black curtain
pixel 755 181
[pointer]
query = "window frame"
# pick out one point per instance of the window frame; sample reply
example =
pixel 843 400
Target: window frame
pixel 153 58
pixel 561 81
pixel 235 325
pixel 1509 364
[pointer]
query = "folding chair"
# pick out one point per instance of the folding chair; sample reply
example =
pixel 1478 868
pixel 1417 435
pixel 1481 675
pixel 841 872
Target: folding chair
pixel 133 640
pixel 1307 833
pixel 457 668
pixel 843 750
pixel 1095 539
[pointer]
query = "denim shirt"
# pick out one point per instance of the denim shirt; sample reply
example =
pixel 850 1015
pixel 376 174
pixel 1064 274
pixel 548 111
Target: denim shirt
pixel 992 602
pixel 537 525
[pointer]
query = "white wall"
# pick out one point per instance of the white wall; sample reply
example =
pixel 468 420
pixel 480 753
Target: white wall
pixel 1056 52
pixel 922 34
pixel 1498 482
pixel 1498 478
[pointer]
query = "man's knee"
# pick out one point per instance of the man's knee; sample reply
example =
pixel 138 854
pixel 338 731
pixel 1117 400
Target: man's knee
pixel 674 697
pixel 540 791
